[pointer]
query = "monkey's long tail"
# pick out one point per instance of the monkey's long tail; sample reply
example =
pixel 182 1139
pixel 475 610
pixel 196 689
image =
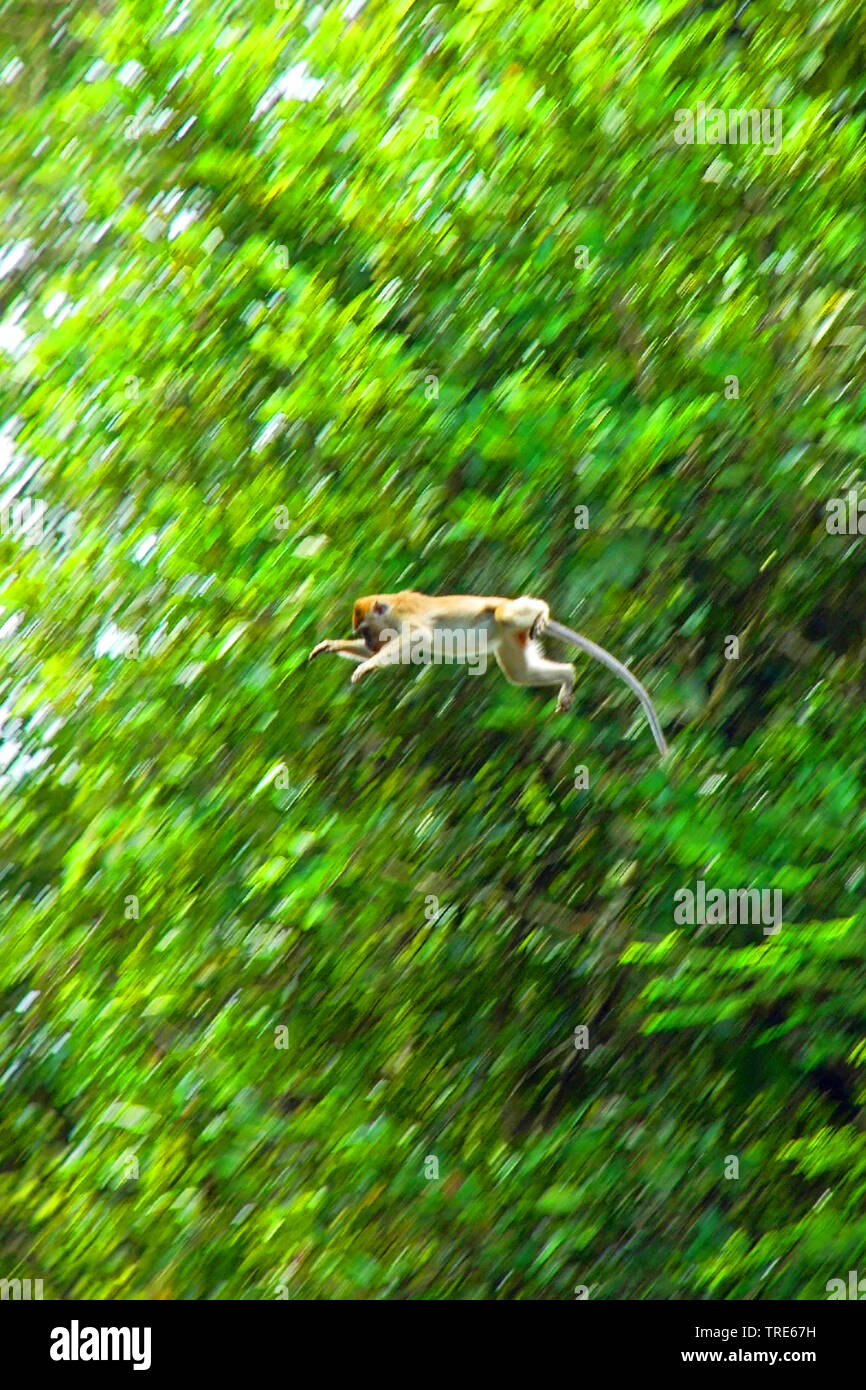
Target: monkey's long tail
pixel 565 634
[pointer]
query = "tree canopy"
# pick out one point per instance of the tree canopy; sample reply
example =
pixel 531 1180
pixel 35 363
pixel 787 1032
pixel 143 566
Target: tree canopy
pixel 300 303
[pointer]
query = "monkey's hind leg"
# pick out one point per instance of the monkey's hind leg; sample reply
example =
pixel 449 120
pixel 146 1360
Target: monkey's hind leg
pixel 523 614
pixel 523 663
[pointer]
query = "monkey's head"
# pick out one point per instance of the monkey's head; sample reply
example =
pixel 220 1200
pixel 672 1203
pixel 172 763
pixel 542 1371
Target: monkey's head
pixel 369 617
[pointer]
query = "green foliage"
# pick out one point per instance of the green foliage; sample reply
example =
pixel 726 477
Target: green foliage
pixel 264 353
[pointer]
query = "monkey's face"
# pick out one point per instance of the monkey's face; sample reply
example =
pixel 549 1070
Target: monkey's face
pixel 369 617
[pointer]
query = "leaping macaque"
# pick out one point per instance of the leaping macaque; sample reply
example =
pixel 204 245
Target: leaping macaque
pixel 386 625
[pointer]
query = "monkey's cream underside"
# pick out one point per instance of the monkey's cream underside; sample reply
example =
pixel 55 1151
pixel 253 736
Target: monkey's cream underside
pixel 508 626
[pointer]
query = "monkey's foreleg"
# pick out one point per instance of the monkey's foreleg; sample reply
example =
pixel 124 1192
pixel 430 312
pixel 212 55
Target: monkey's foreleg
pixel 565 634
pixel 391 653
pixel 353 648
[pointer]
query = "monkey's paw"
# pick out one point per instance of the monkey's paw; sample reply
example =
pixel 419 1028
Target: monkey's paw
pixel 319 649
pixel 359 673
pixel 565 701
